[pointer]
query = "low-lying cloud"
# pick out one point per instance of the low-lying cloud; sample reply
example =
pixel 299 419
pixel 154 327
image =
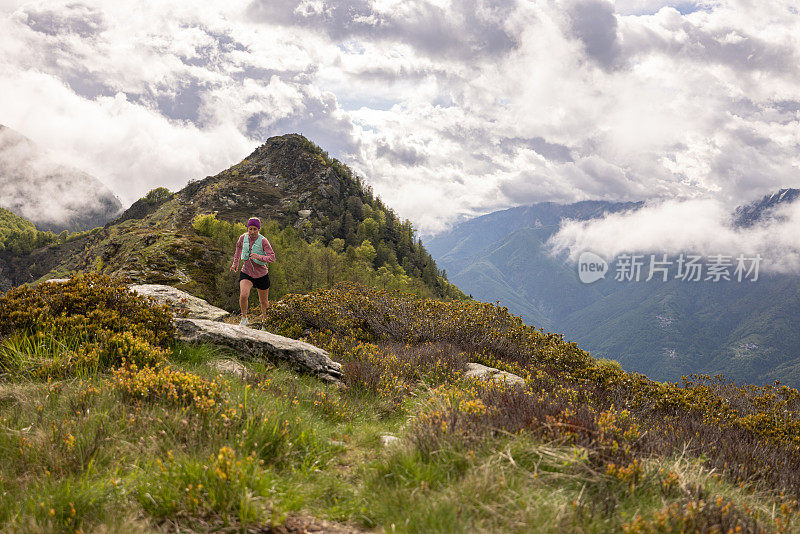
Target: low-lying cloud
pixel 702 227
pixel 53 196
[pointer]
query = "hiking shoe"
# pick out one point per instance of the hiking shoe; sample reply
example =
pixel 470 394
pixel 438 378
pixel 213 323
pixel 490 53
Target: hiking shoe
pixel 243 321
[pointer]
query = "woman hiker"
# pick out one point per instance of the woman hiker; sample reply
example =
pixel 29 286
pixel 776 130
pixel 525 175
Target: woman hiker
pixel 255 251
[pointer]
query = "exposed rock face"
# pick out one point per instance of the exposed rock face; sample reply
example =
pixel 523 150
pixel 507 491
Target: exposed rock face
pixel 181 303
pixel 490 374
pixel 251 343
pixel 276 181
pixel 757 211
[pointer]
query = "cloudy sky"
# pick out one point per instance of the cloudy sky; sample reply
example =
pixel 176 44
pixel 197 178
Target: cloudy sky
pixel 447 108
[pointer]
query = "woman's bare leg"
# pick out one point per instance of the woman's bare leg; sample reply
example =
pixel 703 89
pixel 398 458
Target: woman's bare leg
pixel 263 300
pixel 244 295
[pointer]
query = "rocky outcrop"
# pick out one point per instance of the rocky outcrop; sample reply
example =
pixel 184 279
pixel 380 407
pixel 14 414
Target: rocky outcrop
pixel 490 374
pixel 182 304
pixel 199 322
pixel 250 344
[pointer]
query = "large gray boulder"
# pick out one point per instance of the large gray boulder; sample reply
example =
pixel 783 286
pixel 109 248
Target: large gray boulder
pixel 180 302
pixel 490 374
pixel 250 344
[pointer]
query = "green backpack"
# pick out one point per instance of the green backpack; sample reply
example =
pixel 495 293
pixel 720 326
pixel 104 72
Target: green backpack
pixel 255 249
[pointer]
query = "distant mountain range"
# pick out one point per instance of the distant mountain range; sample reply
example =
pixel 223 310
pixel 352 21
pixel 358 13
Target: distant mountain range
pixel 52 196
pixel 663 329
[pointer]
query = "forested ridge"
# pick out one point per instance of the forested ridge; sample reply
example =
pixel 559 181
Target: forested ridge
pixel 327 226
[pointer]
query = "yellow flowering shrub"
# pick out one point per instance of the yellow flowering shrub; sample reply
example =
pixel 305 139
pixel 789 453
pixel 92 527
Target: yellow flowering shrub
pixel 370 315
pixel 703 515
pixel 162 384
pixel 87 305
pixel 390 342
pixel 88 323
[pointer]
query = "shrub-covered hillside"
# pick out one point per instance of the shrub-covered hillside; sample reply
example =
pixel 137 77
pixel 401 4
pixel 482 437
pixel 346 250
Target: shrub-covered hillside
pixel 18 234
pixel 326 224
pixel 25 248
pixel 107 423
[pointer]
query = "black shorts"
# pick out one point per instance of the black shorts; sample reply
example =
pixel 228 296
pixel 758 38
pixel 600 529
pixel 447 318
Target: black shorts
pixel 261 283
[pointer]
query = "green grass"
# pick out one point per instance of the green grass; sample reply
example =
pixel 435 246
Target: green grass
pixel 74 455
pixel 76 441
pixel 110 426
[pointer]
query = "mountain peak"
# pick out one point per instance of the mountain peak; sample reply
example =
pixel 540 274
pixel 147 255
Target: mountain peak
pixel 285 147
pixel 754 212
pixel 287 141
pixel 282 177
pixel 313 205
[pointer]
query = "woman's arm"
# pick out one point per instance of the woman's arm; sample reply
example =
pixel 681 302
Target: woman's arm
pixel 238 254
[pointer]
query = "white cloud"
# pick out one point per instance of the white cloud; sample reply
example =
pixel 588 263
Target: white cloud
pixel 127 146
pixel 49 194
pixel 447 108
pixel 646 7
pixel 9 6
pixel 673 227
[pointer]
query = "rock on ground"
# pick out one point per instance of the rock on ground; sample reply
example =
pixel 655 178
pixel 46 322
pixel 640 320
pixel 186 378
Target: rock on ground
pixel 490 374
pixel 181 302
pixel 232 367
pixel 389 440
pixel 250 343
